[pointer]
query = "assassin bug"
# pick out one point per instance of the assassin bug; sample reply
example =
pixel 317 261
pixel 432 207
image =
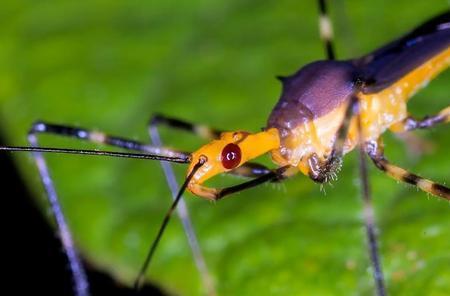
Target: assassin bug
pixel 312 168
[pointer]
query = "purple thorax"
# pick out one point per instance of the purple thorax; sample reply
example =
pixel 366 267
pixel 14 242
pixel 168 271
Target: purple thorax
pixel 313 91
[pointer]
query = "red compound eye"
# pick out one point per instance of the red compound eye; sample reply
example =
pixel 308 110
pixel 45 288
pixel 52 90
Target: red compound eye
pixel 231 156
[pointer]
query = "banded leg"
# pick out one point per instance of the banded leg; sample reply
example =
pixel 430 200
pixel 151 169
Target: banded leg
pixel 326 30
pixel 410 124
pixel 78 273
pixel 376 153
pixel 100 138
pixel 200 130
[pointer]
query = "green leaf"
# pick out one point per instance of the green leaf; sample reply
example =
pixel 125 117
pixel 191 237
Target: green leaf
pixel 110 65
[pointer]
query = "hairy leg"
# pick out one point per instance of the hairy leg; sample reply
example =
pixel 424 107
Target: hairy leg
pixel 376 153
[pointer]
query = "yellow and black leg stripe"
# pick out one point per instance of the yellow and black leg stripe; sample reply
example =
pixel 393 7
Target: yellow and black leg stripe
pixel 403 175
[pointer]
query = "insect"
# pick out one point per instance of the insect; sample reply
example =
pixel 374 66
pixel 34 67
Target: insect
pixel 349 264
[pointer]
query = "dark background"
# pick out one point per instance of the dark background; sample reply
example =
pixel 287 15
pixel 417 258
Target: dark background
pixel 32 253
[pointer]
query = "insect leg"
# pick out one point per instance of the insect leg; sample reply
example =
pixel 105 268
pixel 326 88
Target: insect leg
pixel 182 209
pixel 250 170
pixel 79 275
pixel 324 171
pixel 369 217
pixel 409 123
pixel 326 30
pixel 144 268
pixel 215 194
pixel 376 153
pixel 276 175
pixel 101 138
pixel 76 267
pixel 200 130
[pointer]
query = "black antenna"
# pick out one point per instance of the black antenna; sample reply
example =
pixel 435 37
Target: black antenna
pixel 81 285
pixel 182 158
pixel 140 277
